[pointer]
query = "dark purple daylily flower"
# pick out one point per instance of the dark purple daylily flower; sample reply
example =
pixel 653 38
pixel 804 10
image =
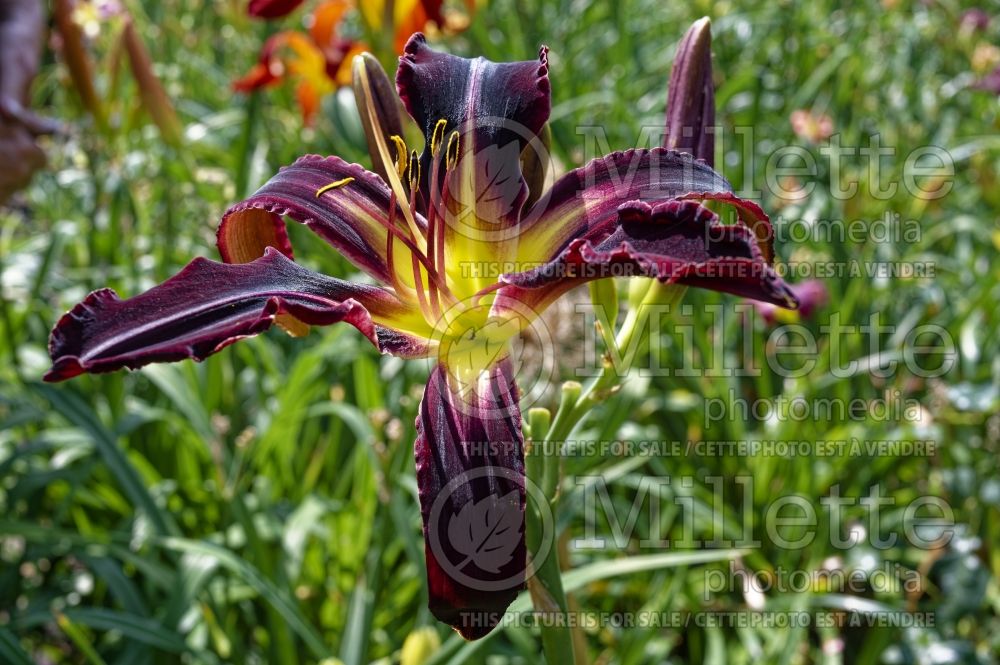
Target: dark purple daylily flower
pixel 423 234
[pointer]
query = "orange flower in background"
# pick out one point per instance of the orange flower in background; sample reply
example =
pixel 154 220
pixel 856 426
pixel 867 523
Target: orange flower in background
pixel 318 61
pixel 408 17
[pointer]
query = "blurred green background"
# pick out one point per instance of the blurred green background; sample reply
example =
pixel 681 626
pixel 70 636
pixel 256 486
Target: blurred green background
pixel 261 507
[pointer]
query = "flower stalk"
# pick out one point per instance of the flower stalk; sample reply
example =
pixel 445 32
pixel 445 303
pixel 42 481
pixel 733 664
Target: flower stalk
pixel 545 585
pixel 689 118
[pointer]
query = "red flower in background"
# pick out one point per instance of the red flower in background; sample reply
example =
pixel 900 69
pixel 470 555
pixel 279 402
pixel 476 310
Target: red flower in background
pixel 318 61
pixel 272 8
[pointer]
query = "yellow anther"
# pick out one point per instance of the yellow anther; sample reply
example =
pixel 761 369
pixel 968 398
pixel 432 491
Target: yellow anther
pixel 450 155
pixel 437 136
pixel 414 170
pixel 401 153
pixel 333 185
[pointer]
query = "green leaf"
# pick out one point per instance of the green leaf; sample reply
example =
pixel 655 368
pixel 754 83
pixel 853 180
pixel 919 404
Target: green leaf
pixel 142 629
pixel 11 651
pixel 76 411
pixel 278 599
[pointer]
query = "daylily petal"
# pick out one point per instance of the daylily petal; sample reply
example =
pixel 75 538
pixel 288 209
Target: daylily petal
pixel 470 472
pixel 316 65
pixel 690 112
pixel 408 16
pixel 811 294
pixel 494 110
pixel 584 202
pixel 677 242
pixel 272 8
pixel 209 305
pixel 308 98
pixel 351 216
pixel 750 215
pixel 435 85
pixel 338 51
pixel 310 66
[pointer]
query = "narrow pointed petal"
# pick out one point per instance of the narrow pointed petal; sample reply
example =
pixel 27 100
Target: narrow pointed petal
pixel 496 109
pixel 677 242
pixel 811 294
pixel 209 305
pixel 366 69
pixel 470 472
pixel 585 201
pixel 351 216
pixel 690 115
pixel 271 9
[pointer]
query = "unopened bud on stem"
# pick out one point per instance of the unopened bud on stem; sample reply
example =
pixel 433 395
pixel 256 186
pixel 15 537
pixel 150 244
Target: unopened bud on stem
pixel 381 95
pixel 690 116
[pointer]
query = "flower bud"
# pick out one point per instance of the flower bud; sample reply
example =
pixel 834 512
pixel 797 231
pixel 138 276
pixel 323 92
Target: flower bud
pixel 419 646
pixel 380 94
pixel 690 113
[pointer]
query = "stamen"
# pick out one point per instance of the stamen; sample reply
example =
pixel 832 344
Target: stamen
pixel 442 203
pixel 390 241
pixel 437 136
pixel 416 234
pixel 383 151
pixel 435 213
pixel 414 175
pixel 333 185
pixel 432 220
pixel 421 296
pixel 401 153
pixel 451 157
pixel 434 279
pixel 478 295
